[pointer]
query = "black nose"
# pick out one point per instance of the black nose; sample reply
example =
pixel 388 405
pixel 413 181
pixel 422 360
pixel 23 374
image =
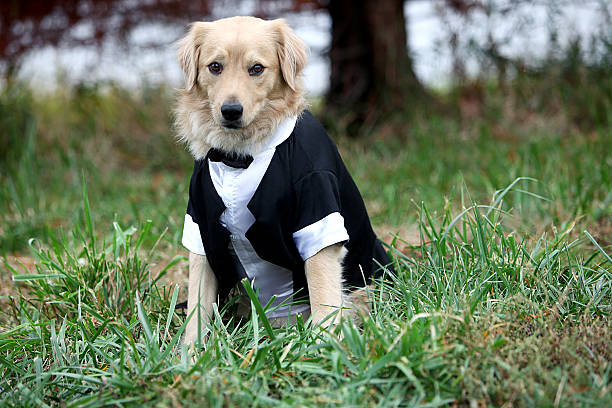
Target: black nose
pixel 231 110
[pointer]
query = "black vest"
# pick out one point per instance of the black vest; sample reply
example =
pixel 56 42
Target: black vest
pixel 305 181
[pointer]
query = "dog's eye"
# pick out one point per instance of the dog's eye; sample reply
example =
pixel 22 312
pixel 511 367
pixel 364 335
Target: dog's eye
pixel 256 70
pixel 215 68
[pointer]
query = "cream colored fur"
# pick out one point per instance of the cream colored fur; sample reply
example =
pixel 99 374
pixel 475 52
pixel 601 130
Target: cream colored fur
pixel 203 290
pixel 239 43
pixel 324 277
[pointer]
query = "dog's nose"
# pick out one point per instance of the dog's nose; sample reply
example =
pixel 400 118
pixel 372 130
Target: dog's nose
pixel 231 110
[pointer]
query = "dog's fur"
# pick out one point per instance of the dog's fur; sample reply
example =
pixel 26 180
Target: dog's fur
pixel 237 44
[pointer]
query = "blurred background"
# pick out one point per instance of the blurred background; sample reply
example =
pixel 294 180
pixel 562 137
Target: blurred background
pixel 428 101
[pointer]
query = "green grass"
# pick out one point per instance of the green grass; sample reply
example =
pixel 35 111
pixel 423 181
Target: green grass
pixel 122 144
pixel 475 314
pixel 502 296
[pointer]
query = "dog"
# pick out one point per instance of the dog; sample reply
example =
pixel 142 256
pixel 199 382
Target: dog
pixel 270 199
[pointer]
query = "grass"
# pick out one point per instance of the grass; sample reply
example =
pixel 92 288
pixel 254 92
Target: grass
pixel 502 295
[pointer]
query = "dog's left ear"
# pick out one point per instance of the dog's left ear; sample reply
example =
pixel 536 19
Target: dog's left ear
pixel 291 53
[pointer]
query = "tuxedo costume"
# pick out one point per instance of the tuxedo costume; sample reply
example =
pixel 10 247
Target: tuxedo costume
pixel 262 219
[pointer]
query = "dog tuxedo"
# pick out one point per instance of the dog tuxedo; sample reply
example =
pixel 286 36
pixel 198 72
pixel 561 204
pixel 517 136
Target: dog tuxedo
pixel 262 217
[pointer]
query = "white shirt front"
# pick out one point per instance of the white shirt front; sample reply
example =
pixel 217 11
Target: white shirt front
pixel 236 187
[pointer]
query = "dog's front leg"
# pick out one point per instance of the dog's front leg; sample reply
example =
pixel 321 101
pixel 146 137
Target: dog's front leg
pixel 203 291
pixel 324 277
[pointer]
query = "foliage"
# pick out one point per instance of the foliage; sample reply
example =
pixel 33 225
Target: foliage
pixel 15 117
pixel 56 22
pixel 96 328
pixel 91 23
pixel 502 296
pixel 121 140
pixel 576 83
pixel 566 78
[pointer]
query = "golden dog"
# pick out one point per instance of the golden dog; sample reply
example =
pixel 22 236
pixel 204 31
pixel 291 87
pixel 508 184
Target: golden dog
pixel 243 80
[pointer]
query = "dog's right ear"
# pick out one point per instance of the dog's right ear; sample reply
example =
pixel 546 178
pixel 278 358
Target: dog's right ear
pixel 189 52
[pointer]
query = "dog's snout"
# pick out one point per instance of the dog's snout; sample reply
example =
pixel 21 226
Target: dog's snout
pixel 231 110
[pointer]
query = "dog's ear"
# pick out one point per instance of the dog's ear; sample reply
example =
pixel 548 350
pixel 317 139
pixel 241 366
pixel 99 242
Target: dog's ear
pixel 189 52
pixel 291 53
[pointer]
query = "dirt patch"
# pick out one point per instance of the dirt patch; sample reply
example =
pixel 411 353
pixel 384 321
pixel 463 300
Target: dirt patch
pixel 8 287
pixel 568 343
pixel 176 275
pixel 21 264
pixel 601 230
pixel 526 357
pixel 403 234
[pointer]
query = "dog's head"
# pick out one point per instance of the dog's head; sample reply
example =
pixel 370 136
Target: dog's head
pixel 243 78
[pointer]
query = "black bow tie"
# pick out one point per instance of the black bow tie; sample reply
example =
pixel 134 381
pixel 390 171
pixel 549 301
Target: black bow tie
pixel 230 159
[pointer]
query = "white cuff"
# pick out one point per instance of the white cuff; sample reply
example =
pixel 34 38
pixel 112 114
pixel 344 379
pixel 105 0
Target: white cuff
pixel 321 234
pixel 192 240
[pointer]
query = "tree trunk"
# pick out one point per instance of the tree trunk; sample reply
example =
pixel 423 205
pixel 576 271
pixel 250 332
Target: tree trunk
pixel 371 70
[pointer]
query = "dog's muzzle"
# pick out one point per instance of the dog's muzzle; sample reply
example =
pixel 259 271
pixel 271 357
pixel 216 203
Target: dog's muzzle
pixel 232 113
